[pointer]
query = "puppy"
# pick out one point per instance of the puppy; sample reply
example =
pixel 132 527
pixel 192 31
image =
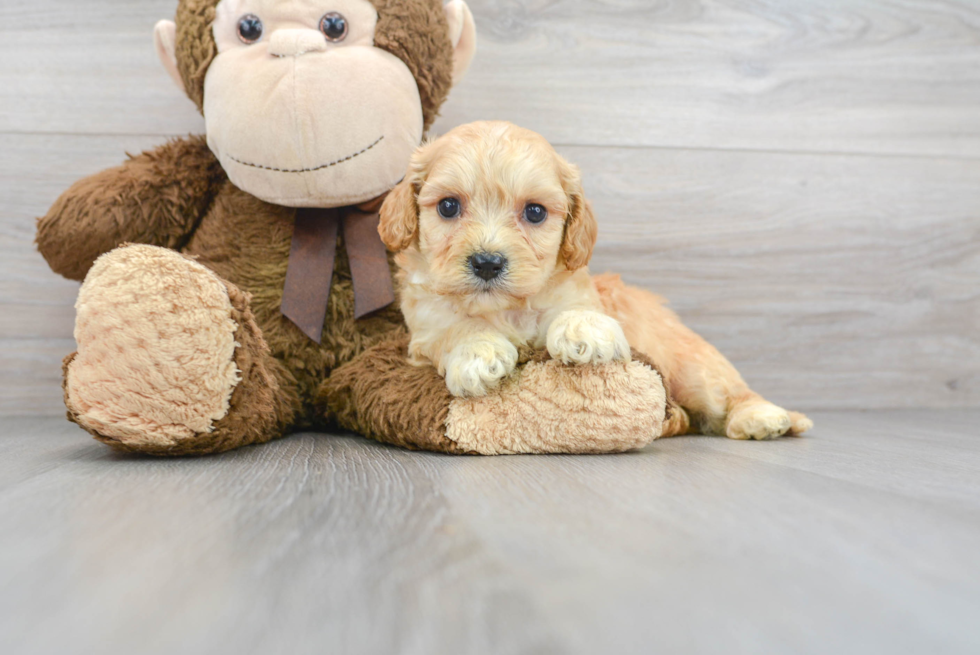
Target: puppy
pixel 493 235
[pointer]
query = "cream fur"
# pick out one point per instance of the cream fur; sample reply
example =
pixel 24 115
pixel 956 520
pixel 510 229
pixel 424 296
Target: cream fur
pixel 714 397
pixel 583 337
pixel 552 408
pixel 469 328
pixel 757 420
pixel 494 168
pixel 478 362
pixel 155 347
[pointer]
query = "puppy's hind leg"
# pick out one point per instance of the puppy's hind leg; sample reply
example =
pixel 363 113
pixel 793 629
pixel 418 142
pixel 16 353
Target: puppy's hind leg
pixel 705 384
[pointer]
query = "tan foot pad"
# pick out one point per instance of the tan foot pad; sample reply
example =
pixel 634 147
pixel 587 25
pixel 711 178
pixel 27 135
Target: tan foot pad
pixel 156 346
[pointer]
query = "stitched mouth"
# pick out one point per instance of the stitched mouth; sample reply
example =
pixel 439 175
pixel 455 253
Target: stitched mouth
pixel 308 170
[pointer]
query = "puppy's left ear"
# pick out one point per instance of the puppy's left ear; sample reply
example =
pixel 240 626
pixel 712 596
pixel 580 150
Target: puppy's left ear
pixel 581 228
pixel 399 217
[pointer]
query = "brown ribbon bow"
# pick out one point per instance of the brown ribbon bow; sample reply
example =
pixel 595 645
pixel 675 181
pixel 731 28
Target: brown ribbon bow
pixel 311 259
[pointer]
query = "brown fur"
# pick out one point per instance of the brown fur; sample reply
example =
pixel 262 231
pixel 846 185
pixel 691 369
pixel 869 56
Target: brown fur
pixel 261 408
pixel 381 396
pixel 415 31
pixel 156 198
pixel 246 242
pixel 242 239
pixel 178 197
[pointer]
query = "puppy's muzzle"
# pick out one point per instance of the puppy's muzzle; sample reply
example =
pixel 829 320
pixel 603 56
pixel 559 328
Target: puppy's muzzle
pixel 487 265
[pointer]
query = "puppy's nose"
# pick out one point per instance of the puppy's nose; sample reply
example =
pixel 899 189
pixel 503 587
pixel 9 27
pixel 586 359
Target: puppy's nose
pixel 487 265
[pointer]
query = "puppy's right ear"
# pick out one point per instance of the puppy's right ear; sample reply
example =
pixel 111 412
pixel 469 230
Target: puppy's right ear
pixel 399 224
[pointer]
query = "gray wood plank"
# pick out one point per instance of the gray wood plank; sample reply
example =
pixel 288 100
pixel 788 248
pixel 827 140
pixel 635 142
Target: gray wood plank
pixel 30 375
pixel 887 76
pixel 88 68
pixel 870 76
pixel 860 538
pixel 34 171
pixel 831 281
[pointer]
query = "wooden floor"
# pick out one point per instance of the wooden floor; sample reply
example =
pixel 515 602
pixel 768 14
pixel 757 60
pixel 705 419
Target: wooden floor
pixel 862 538
pixel 801 179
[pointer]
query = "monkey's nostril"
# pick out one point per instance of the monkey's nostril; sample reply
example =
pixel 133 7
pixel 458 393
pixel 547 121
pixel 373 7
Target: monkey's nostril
pixel 487 265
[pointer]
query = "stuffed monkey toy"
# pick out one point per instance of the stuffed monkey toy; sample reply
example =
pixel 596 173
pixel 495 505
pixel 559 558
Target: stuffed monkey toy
pixel 235 287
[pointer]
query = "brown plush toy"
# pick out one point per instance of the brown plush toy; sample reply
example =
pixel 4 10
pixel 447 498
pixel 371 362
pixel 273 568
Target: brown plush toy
pixel 235 286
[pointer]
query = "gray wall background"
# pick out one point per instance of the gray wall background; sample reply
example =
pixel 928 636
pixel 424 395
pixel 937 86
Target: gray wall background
pixel 800 178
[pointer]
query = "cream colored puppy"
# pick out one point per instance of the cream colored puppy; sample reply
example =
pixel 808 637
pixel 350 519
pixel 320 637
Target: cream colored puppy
pixel 493 235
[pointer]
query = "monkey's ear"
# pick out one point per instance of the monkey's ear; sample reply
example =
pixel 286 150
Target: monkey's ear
pixel 165 42
pixel 581 228
pixel 462 34
pixel 399 217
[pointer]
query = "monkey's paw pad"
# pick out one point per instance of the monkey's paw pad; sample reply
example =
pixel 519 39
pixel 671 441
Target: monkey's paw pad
pixel 475 367
pixel 586 337
pixel 156 341
pixel 760 421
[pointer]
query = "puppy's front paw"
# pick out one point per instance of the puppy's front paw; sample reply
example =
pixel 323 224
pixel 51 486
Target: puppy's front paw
pixel 585 337
pixel 475 367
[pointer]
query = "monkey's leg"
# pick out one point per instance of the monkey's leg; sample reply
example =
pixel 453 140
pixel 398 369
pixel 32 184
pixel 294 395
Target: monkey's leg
pixel 699 378
pixel 543 407
pixel 170 360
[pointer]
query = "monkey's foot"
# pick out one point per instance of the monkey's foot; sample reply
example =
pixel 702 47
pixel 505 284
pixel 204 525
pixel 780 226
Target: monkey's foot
pixel 169 358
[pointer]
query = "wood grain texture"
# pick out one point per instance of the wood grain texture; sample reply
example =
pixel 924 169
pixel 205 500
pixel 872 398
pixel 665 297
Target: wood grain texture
pixel 831 281
pixel 30 375
pixel 717 140
pixel 889 76
pixel 882 76
pixel 859 539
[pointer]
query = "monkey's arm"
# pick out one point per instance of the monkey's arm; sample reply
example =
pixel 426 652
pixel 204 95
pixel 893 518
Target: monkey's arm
pixel 155 198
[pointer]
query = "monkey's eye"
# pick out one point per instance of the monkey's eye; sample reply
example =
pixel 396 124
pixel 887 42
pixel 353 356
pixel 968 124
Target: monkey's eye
pixel 334 26
pixel 448 208
pixel 534 213
pixel 249 28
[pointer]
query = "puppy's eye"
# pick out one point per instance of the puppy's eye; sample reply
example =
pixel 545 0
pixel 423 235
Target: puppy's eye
pixel 534 213
pixel 249 28
pixel 334 26
pixel 448 208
